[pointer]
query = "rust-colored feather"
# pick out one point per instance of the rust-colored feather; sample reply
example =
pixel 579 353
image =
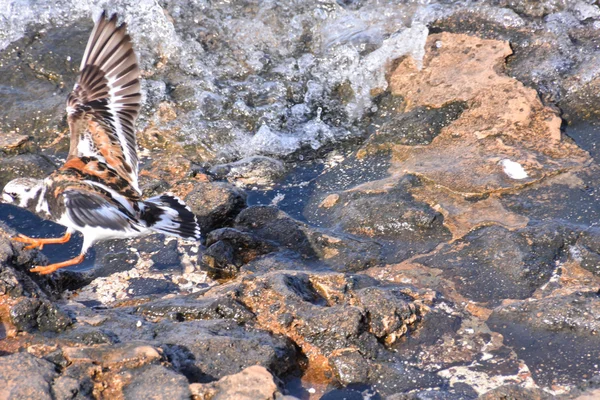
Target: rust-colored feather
pixel 105 102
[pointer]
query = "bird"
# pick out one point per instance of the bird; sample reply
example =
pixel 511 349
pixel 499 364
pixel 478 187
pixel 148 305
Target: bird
pixel 96 191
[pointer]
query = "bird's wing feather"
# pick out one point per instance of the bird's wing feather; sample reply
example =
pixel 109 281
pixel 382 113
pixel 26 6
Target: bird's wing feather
pixel 90 209
pixel 105 102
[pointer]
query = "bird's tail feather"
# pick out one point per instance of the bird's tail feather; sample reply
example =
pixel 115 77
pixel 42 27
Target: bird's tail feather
pixel 169 215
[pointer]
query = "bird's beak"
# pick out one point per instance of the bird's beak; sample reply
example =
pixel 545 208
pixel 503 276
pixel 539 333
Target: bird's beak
pixel 7 198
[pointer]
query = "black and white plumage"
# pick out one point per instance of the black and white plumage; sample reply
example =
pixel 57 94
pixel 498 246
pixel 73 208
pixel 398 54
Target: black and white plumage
pixel 96 191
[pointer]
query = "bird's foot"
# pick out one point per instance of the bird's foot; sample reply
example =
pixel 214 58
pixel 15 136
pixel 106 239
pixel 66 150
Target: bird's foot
pixel 48 269
pixel 39 243
pixel 32 243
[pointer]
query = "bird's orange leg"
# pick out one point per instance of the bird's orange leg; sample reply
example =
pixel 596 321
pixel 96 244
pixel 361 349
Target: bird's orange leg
pixel 48 269
pixel 40 242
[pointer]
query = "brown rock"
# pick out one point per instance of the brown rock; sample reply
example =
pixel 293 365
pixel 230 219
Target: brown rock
pixel 216 204
pixel 330 200
pixel 11 140
pixel 504 120
pixel 129 355
pixel 253 383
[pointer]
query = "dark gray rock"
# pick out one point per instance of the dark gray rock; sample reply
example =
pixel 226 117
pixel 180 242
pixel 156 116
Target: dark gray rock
pixel 40 70
pixel 184 308
pixel 386 378
pixel 23 376
pixel 208 350
pixel 218 260
pixel 340 252
pixel 250 171
pixel 139 287
pixel 25 166
pixel 514 392
pixel 420 126
pixel 388 310
pixel 229 249
pixel 408 227
pixel 157 382
pixel 277 261
pixel 557 337
pixel 91 335
pixel 215 204
pixel 493 263
pixel 70 388
pixel 30 314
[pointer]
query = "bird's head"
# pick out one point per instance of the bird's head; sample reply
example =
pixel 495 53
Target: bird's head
pixel 22 192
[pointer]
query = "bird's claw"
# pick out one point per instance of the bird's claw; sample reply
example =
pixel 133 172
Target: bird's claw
pixel 43 270
pixel 32 243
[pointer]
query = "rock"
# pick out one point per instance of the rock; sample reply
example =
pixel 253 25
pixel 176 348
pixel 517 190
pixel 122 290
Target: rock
pixel 493 263
pixel 555 336
pixel 388 311
pixel 24 166
pixel 216 204
pixel 23 376
pixel 386 377
pixel 41 69
pixel 340 252
pixel 187 308
pixel 259 171
pixel 462 68
pixel 326 312
pixel 515 392
pixel 419 126
pixel 392 214
pixel 252 383
pixel 91 335
pixel 207 350
pixel 157 382
pixel 11 141
pixel 31 314
pixel 229 249
pixel 121 355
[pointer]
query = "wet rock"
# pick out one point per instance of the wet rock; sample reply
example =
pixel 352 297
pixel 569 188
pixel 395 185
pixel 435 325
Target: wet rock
pixel 157 382
pixel 499 124
pixel 277 261
pixel 388 311
pixel 24 165
pixel 324 312
pixel 391 126
pixel 515 392
pixel 31 314
pixel 11 141
pixel 386 214
pixel 24 376
pixel 250 171
pixel 229 249
pixel 493 263
pixel 69 387
pixel 252 383
pixel 555 336
pixel 150 286
pixel 91 335
pixel 215 204
pixel 113 256
pixel 193 308
pixel 219 261
pixel 208 350
pixel 340 252
pixel 40 69
pixel 351 367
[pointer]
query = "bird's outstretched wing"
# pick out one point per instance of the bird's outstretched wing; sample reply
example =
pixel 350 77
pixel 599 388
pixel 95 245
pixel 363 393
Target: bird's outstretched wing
pixel 105 102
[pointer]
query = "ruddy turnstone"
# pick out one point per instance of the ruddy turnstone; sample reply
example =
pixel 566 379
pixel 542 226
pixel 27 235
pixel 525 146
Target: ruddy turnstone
pixel 96 191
